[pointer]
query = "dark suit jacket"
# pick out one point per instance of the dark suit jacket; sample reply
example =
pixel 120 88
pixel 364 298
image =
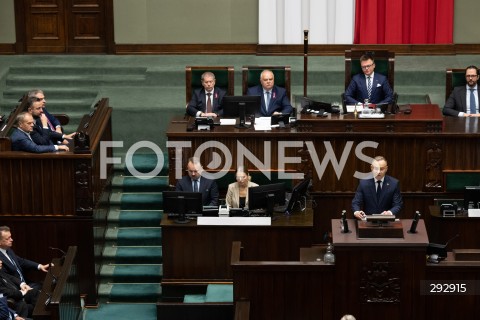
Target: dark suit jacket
pixel 5 311
pixel 208 188
pixel 357 90
pixel 21 142
pixel 366 197
pixel 457 102
pixel 199 102
pixel 278 101
pixel 45 136
pixel 23 264
pixel 10 286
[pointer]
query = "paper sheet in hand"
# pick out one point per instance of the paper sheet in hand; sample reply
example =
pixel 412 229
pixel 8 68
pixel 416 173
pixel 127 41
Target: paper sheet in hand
pixel 263 123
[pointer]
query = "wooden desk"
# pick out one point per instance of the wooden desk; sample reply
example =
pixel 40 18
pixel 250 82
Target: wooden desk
pixel 376 277
pixel 418 151
pixel 424 118
pixel 198 255
pixel 444 228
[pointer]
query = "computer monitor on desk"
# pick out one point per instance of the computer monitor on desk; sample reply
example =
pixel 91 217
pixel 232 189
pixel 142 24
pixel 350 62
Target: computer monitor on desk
pixel 240 107
pixel 472 197
pixel 182 204
pixel 266 197
pixel 298 197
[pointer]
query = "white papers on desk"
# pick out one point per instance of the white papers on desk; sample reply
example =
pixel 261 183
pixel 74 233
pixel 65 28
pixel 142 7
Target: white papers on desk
pixel 234 221
pixel 474 213
pixel 263 123
pixel 228 122
pixel 351 108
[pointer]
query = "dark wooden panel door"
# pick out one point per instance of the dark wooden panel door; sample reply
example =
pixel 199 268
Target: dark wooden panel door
pixel 64 26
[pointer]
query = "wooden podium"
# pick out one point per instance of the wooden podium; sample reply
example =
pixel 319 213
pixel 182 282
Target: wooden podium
pixel 380 276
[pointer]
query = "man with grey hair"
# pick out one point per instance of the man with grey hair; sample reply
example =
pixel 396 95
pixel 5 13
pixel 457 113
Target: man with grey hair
pixel 274 98
pixel 22 141
pixel 195 182
pixel 207 101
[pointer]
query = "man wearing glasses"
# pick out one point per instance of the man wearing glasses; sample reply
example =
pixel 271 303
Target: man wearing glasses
pixel 195 182
pixel 463 101
pixel 370 86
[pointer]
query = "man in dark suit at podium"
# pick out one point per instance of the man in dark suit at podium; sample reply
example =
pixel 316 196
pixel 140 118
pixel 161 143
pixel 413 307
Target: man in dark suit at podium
pixel 195 182
pixel 370 86
pixel 274 98
pixel 207 101
pixel 377 195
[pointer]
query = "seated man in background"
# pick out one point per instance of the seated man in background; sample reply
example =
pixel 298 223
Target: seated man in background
pixel 42 134
pixel 463 101
pixel 53 122
pixel 25 297
pixel 22 140
pixel 275 100
pixel 237 194
pixel 195 182
pixel 370 86
pixel 14 265
pixel 206 102
pixel 377 195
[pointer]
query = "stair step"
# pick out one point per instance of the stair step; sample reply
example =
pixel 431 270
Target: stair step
pixel 130 292
pixel 52 93
pixel 134 218
pixel 72 80
pixel 118 70
pixel 137 201
pixel 135 273
pixel 134 184
pixel 133 255
pixel 135 236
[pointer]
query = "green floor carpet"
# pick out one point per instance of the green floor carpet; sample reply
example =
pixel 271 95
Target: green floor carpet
pixel 131 269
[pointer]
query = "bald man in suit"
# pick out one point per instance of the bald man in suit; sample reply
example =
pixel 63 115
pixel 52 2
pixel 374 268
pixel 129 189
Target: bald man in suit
pixel 194 179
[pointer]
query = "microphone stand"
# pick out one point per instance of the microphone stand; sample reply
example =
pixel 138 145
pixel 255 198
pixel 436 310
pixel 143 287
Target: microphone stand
pixel 305 62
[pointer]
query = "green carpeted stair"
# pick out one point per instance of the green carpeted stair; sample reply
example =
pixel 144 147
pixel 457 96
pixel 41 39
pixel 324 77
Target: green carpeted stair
pixel 131 269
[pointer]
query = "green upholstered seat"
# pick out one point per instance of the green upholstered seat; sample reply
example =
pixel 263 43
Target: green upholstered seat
pixel 251 77
pixel 224 78
pixel 454 78
pixel 384 64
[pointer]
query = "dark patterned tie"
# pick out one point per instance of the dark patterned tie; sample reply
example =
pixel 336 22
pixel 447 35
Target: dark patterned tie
pixel 379 188
pixel 369 86
pixel 209 103
pixel 195 185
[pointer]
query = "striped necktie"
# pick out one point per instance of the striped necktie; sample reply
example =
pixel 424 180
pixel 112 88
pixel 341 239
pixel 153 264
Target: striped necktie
pixel 369 86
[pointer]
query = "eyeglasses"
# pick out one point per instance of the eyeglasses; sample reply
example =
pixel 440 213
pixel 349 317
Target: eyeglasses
pixel 192 171
pixel 471 76
pixel 367 66
pixel 241 177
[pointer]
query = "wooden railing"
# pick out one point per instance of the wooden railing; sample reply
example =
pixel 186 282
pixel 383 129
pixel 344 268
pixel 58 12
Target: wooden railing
pixel 59 197
pixel 281 289
pixel 60 296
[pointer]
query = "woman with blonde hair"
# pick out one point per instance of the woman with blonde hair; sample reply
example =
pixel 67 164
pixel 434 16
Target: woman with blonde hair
pixel 237 194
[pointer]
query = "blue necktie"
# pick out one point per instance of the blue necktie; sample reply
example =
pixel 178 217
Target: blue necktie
pixel 268 100
pixel 18 269
pixel 473 107
pixel 195 185
pixel 379 188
